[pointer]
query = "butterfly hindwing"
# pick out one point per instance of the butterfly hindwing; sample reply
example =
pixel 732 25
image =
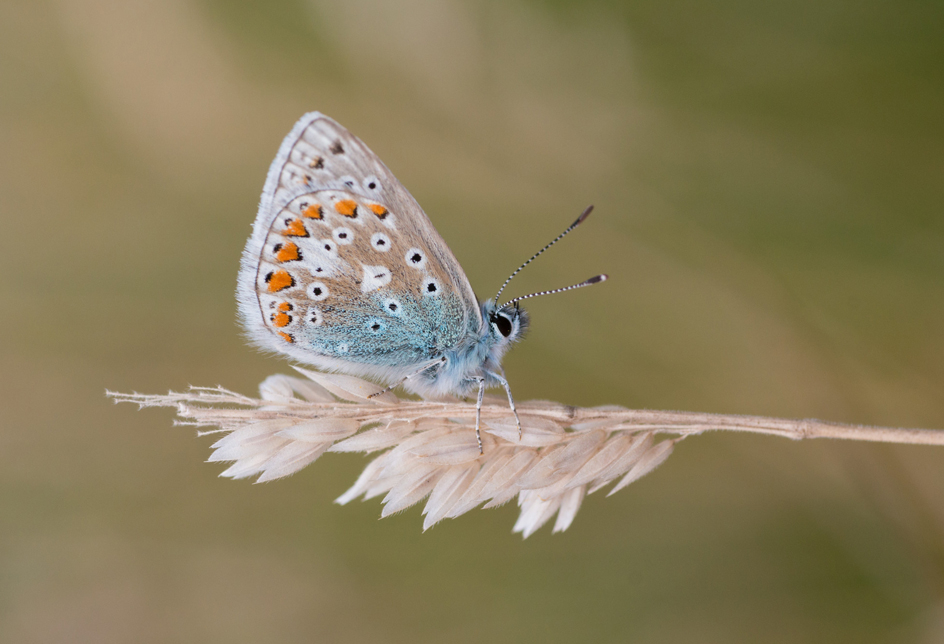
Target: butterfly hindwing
pixel 344 270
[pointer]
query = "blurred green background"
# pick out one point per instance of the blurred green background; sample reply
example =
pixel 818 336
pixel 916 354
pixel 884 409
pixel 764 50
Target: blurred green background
pixel 769 185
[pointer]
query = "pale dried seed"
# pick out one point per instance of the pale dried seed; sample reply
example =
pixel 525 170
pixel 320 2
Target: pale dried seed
pixel 650 461
pixel 556 488
pixel 310 390
pixel 246 435
pixel 321 430
pixel 605 457
pixel 276 388
pixel 449 449
pixel 376 439
pixel 472 496
pixel 529 507
pixel 627 459
pixel 528 421
pixel 350 388
pixel 570 503
pixel 535 512
pixel 402 451
pixel 281 388
pixel 559 461
pixel 535 431
pixel 267 444
pixel 290 459
pixel 380 486
pixel 501 487
pixel 246 467
pixel 542 470
pixel 411 489
pixel 364 480
pixel 501 497
pixel 447 491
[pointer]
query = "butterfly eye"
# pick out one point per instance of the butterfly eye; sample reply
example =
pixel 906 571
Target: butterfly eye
pixel 380 242
pixel 343 235
pixel 415 258
pixel 503 324
pixel 372 183
pixel 317 291
pixel 430 287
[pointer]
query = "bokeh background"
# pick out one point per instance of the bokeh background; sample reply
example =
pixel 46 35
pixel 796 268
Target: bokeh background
pixel 769 185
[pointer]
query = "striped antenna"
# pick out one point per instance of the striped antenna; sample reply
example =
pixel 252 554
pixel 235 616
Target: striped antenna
pixel 584 215
pixel 593 280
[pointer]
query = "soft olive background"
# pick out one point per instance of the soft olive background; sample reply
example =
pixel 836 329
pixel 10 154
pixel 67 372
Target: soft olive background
pixel 769 184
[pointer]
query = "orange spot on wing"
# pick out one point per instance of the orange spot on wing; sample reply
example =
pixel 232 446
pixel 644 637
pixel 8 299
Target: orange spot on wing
pixel 346 207
pixel 378 210
pixel 285 306
pixel 279 280
pixel 286 336
pixel 287 253
pixel 295 228
pixel 313 211
pixel 281 319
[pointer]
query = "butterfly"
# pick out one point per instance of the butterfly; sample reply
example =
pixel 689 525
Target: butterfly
pixel 345 272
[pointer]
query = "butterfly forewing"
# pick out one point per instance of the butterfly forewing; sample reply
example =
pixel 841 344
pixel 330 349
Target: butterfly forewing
pixel 343 267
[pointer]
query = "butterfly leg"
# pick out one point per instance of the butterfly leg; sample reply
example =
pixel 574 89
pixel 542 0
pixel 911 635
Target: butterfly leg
pixel 478 411
pixel 405 378
pixel 511 400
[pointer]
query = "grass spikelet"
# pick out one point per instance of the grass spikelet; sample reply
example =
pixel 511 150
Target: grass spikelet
pixel 427 450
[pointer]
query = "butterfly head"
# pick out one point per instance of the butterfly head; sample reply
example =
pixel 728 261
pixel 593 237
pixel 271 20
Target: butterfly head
pixel 506 324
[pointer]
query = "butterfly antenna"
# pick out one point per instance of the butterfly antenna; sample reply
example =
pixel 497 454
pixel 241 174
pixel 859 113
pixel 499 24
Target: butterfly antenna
pixel 593 280
pixel 584 215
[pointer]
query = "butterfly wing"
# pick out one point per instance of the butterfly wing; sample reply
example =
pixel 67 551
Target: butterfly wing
pixel 343 270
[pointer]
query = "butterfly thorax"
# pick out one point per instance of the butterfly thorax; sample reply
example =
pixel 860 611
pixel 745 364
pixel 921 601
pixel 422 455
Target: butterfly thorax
pixel 477 357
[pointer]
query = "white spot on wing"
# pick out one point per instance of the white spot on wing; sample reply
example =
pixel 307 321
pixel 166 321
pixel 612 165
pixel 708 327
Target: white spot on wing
pixel 343 235
pixel 430 287
pixel 415 258
pixel 317 291
pixel 392 306
pixel 375 277
pixel 380 242
pixel 314 317
pixel 372 184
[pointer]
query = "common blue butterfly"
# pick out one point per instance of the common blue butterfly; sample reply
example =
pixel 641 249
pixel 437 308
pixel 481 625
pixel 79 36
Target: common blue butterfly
pixel 345 272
